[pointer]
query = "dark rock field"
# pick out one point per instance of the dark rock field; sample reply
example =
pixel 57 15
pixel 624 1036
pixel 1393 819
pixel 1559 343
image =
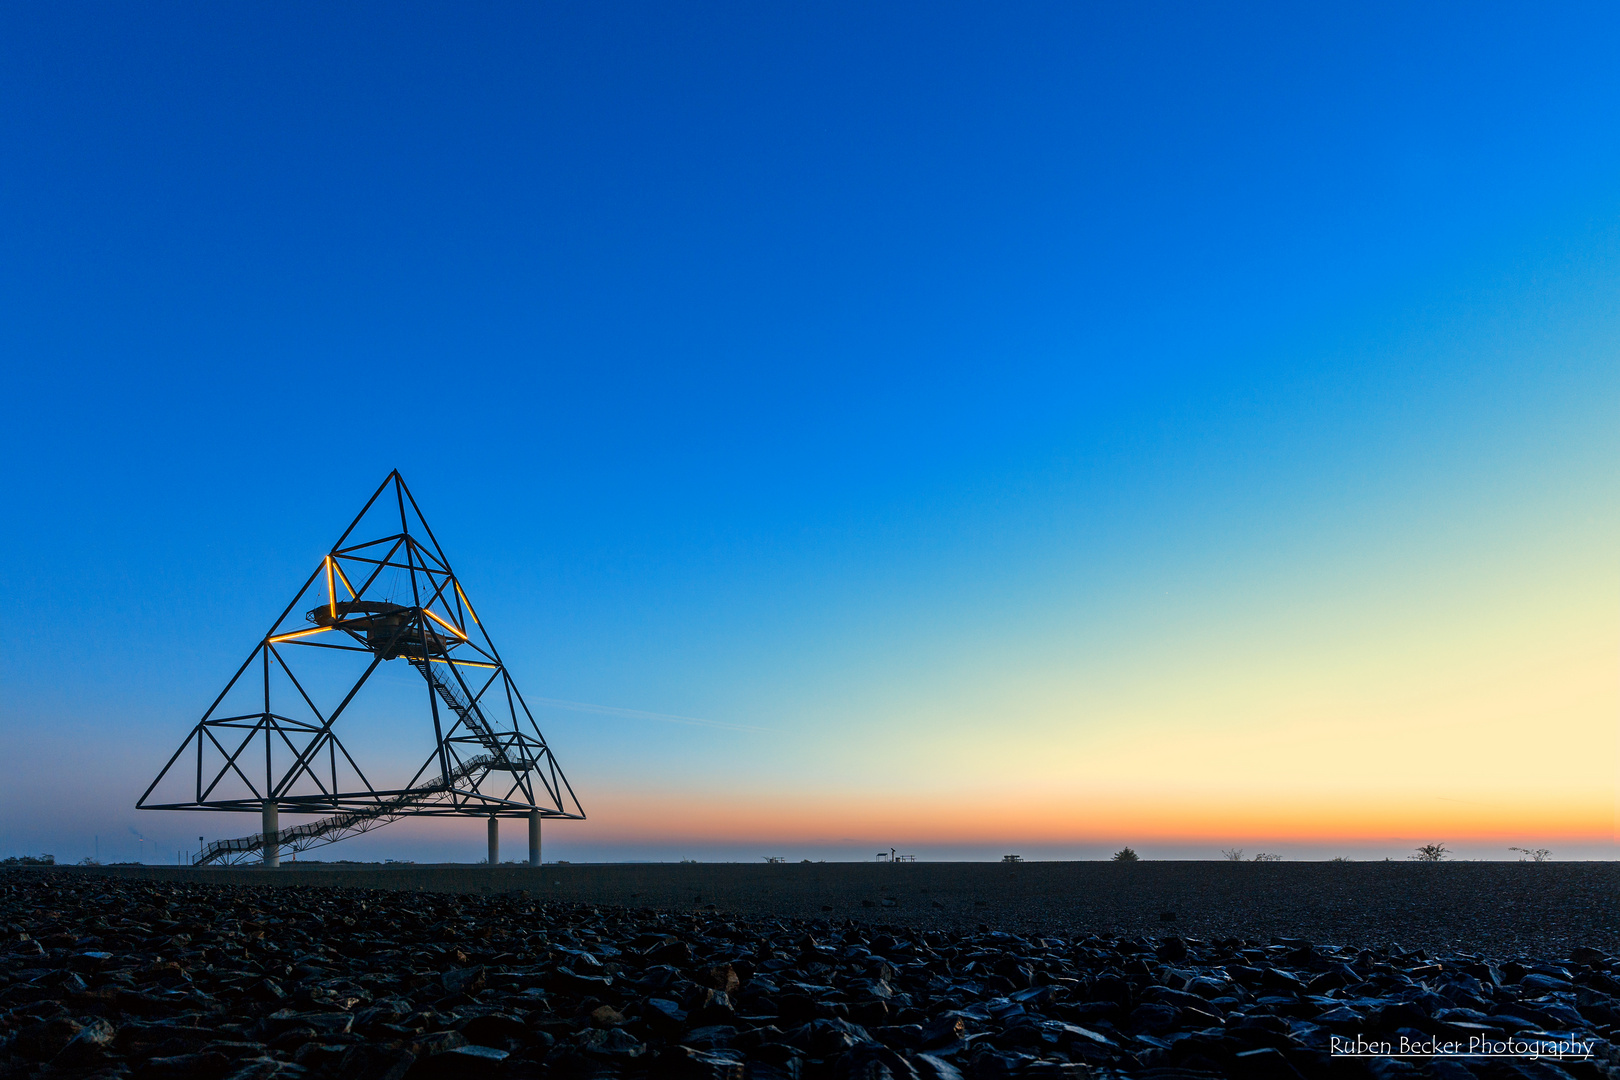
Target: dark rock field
pixel 103 976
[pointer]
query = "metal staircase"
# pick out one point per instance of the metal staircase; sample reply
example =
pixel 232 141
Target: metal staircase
pixel 351 823
pixel 467 711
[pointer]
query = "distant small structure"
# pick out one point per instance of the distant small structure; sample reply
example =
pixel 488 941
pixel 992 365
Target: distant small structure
pixel 1012 858
pixel 775 858
pixel 893 856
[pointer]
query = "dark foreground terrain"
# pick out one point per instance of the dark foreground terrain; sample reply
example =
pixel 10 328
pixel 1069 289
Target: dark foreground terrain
pixel 1498 908
pixel 114 975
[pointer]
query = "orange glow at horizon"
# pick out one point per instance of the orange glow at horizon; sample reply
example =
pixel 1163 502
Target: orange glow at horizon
pixel 1192 817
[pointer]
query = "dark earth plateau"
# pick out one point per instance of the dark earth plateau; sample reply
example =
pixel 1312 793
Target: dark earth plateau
pixel 824 972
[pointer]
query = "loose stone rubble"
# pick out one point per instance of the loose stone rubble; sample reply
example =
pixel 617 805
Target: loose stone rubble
pixel 103 977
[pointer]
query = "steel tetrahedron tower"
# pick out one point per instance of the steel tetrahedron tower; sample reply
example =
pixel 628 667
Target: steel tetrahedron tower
pixel 269 743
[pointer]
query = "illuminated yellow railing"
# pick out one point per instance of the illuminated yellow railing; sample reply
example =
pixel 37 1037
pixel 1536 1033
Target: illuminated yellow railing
pixel 444 624
pixel 298 634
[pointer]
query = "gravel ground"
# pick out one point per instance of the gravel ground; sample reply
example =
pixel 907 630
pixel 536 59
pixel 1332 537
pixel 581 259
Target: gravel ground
pixel 1499 909
pixel 115 975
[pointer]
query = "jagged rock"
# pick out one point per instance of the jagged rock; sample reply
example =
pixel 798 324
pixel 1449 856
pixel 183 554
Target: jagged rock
pixel 265 1068
pixel 89 1044
pixel 375 1063
pixel 875 1062
pixel 710 1036
pixel 685 1063
pixel 606 1016
pixel 708 1007
pixel 609 1042
pixel 498 1030
pixel 932 1067
pixel 318 1055
pixel 44 1040
pixel 675 953
pixel 463 980
pixel 469 1062
pixel 204 1066
pixel 823 1038
pixel 663 1017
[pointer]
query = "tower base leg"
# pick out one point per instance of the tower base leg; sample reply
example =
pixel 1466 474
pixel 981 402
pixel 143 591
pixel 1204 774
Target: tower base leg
pixel 271 827
pixel 494 840
pixel 534 838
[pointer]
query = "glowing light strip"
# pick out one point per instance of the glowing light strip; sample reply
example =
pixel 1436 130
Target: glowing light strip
pixel 463 663
pixel 331 590
pixel 444 624
pixel 298 634
pixel 467 604
pixel 345 578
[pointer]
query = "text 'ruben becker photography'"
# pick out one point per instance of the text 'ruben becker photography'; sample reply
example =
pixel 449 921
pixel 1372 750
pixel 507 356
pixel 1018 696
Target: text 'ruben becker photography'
pixel 1476 1046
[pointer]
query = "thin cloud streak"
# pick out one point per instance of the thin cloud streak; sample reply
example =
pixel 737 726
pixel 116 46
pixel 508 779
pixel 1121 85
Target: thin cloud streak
pixel 640 714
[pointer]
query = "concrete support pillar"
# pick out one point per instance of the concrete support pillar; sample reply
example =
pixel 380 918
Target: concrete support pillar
pixel 494 840
pixel 272 831
pixel 534 838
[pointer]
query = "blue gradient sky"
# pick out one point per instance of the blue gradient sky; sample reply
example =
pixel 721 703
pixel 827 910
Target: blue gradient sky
pixel 1032 429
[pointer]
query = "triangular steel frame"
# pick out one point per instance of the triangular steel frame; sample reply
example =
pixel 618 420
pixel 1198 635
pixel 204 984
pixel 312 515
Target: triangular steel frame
pixel 489 757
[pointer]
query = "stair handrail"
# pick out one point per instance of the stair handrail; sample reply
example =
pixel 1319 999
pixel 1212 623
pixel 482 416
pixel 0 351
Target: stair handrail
pixel 313 829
